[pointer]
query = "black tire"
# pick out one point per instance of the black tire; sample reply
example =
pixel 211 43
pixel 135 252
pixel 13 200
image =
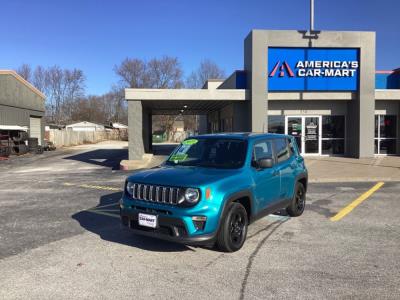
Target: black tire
pixel 39 150
pixel 233 230
pixel 296 207
pixel 33 143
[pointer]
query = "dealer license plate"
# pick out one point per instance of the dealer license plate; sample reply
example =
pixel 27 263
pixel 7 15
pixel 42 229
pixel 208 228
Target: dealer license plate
pixel 147 220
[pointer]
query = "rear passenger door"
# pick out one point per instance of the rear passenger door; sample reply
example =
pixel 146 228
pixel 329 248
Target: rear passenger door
pixel 285 165
pixel 266 181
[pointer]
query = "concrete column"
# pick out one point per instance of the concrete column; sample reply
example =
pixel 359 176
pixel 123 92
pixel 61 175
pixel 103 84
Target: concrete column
pixel 240 117
pixel 135 124
pixel 366 101
pixel 255 52
pixel 202 124
pixel 147 136
pixel 398 131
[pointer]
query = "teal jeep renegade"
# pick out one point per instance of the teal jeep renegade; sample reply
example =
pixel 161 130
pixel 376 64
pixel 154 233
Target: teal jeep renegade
pixel 213 186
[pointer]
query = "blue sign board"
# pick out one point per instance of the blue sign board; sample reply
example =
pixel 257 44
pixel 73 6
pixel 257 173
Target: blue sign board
pixel 313 69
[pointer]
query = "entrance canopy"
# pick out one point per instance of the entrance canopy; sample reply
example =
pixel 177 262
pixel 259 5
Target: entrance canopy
pixel 184 101
pixel 143 103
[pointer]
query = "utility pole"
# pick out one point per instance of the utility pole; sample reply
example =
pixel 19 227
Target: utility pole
pixel 311 16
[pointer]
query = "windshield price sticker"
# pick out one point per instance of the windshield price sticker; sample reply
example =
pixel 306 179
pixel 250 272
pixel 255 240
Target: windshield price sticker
pixel 190 142
pixel 180 154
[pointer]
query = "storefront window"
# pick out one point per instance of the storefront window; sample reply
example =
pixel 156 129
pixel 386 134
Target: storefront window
pixel 333 127
pixel 388 126
pixel 276 124
pixel 333 147
pixel 385 134
pixel 227 125
pixel 333 132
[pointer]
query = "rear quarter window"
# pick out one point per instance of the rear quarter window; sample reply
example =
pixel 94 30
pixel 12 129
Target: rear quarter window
pixel 282 148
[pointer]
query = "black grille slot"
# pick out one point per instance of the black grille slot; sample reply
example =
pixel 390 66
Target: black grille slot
pixel 153 193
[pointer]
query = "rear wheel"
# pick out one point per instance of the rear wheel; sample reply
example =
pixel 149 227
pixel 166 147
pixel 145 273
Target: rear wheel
pixel 296 207
pixel 233 230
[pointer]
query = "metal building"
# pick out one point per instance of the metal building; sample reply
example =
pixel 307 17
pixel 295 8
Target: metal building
pixel 321 87
pixel 22 106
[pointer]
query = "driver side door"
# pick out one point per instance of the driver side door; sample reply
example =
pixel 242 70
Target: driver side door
pixel 266 188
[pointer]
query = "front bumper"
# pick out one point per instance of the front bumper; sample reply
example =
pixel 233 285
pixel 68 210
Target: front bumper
pixel 168 228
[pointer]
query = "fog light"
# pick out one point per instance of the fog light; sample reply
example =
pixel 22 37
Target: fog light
pixel 199 222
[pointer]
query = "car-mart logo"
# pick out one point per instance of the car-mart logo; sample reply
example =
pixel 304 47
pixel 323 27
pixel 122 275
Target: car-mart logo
pixel 316 68
pixel 282 68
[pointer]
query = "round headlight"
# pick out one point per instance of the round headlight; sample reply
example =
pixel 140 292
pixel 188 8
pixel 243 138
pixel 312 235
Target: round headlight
pixel 192 195
pixel 129 188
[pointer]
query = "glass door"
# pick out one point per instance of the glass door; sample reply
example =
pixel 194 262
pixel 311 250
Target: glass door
pixel 294 127
pixel 312 136
pixel 307 132
pixel 385 134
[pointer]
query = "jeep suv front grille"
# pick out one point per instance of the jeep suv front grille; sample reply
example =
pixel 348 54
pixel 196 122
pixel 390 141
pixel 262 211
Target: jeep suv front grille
pixel 155 193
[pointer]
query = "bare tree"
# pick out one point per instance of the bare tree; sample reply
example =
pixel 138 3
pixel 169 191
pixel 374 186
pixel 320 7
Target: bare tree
pixel 25 71
pixel 117 98
pixel 61 87
pixel 207 70
pixel 165 73
pixel 66 100
pixel 39 79
pixel 132 73
pixel 161 73
pixel 103 109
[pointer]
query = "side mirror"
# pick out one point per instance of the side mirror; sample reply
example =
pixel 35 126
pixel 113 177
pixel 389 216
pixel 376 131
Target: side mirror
pixel 265 163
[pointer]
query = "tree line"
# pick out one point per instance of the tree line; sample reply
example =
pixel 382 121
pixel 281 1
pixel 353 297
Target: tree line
pixel 67 100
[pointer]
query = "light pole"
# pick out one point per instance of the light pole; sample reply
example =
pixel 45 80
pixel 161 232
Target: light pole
pixel 311 16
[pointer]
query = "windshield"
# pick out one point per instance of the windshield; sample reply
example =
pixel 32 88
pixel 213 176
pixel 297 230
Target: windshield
pixel 211 153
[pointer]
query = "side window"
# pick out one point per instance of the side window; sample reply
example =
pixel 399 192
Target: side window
pixel 282 150
pixel 262 149
pixel 292 150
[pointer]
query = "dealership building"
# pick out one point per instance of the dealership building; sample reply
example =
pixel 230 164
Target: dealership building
pixel 320 87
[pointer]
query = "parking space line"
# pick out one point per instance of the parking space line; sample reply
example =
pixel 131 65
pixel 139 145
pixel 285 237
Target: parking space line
pixel 99 212
pixel 107 205
pixel 346 210
pixel 95 187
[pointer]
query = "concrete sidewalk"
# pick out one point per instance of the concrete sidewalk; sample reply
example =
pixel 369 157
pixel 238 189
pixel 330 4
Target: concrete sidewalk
pixel 341 169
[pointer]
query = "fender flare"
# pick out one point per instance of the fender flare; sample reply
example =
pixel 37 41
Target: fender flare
pixel 232 198
pixel 302 176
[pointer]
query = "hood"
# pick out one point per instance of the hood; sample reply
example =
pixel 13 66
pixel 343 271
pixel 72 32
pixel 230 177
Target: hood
pixel 184 176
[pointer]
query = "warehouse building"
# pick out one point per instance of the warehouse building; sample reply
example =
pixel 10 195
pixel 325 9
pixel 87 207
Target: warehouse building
pixel 22 107
pixel 321 87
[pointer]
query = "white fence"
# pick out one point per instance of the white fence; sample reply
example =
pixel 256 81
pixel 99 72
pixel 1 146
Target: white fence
pixel 63 138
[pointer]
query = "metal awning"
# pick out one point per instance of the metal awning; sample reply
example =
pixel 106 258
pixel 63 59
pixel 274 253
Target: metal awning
pixel 14 127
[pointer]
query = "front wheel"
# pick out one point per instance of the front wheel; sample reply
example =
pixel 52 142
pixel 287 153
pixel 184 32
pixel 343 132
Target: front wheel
pixel 296 207
pixel 233 230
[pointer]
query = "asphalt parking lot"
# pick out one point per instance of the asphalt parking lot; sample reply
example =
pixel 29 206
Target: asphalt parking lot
pixel 60 237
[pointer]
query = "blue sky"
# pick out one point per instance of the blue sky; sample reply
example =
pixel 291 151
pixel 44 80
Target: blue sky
pixel 94 35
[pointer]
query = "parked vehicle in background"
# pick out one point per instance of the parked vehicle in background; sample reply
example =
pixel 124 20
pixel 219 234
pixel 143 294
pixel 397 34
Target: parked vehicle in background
pixel 5 149
pixel 48 146
pixel 159 137
pixel 212 186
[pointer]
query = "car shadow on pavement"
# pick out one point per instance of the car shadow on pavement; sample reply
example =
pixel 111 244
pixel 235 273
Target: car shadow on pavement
pixel 104 221
pixel 110 158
